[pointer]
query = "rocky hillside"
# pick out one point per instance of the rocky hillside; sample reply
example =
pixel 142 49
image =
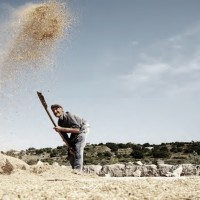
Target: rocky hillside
pixel 112 153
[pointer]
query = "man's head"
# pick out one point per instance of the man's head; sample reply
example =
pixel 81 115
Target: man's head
pixel 57 110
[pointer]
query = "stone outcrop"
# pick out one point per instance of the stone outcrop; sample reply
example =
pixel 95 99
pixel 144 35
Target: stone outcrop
pixel 93 169
pixel 189 169
pixel 132 170
pixel 164 169
pixel 8 164
pixel 151 170
pixel 115 170
pixel 40 167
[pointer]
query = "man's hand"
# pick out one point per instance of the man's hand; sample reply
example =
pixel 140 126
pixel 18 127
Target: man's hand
pixel 58 129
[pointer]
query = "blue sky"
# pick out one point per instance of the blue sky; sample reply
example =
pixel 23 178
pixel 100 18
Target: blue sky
pixel 130 67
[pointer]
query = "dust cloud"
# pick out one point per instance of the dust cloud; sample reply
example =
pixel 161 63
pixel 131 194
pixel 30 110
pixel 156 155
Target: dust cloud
pixel 36 30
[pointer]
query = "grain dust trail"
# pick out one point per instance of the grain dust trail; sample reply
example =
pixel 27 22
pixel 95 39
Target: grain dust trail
pixel 38 29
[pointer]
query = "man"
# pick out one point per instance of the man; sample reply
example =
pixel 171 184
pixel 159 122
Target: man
pixel 78 128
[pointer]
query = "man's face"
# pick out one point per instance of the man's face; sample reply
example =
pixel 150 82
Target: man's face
pixel 58 112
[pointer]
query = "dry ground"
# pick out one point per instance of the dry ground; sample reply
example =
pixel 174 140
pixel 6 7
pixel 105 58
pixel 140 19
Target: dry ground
pixel 60 183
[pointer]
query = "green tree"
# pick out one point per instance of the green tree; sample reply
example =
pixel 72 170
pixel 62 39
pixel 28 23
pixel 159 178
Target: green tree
pixel 147 152
pixel 138 154
pixel 38 151
pixel 146 145
pixel 113 146
pixel 108 154
pixel 195 146
pixel 122 146
pixel 129 145
pixel 160 153
pixel 54 153
pixel 136 147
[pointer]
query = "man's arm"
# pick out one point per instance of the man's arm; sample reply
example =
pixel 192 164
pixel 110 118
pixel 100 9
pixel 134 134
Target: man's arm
pixel 67 130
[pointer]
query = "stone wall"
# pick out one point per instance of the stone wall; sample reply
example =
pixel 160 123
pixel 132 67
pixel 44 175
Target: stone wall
pixel 132 170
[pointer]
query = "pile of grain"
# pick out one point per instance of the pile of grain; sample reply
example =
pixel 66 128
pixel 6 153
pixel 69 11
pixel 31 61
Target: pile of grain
pixel 44 181
pixel 60 183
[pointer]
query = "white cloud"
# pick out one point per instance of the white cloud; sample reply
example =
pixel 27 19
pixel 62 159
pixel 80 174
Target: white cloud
pixel 172 64
pixel 190 32
pixel 146 72
pixel 134 43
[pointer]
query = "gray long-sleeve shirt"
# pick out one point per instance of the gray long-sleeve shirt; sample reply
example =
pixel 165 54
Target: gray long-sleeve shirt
pixel 72 121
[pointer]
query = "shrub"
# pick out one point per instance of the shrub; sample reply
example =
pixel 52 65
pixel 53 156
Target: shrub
pixel 108 154
pixel 138 154
pixel 157 153
pixel 112 146
pixel 194 147
pixel 136 147
pixel 146 145
pixel 31 162
pixel 121 146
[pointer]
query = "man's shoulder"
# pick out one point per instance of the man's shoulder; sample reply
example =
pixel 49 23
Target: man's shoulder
pixel 67 113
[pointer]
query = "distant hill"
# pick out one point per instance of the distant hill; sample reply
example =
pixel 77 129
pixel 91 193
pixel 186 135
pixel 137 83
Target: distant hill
pixel 110 153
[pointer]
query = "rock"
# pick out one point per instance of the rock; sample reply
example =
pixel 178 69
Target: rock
pixel 55 164
pixel 158 162
pixel 40 167
pixel 92 169
pixel 107 175
pixel 139 163
pixel 7 168
pixel 165 169
pixel 9 164
pixel 137 173
pixel 115 170
pixel 138 170
pixel 135 170
pixel 198 170
pixel 151 170
pixel 130 169
pixel 189 169
pixel 39 163
pixel 177 172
